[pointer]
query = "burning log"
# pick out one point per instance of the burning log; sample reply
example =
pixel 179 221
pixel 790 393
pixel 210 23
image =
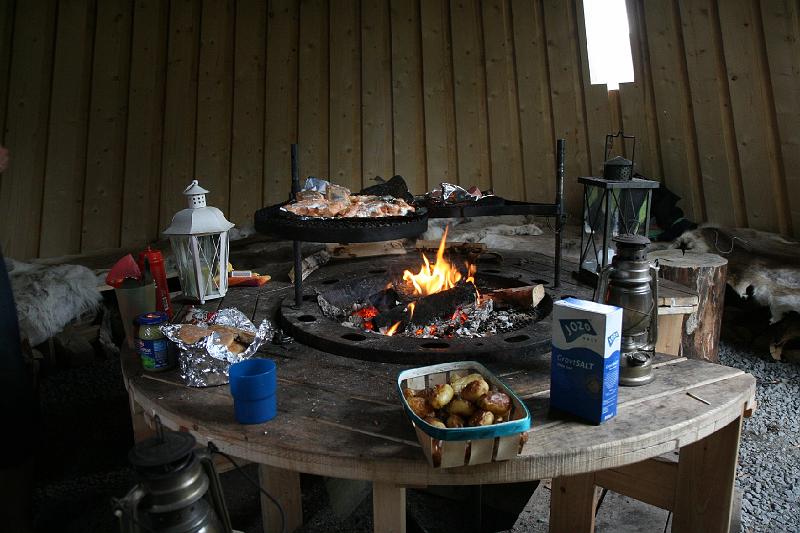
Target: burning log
pixel 526 297
pixel 464 248
pixel 427 309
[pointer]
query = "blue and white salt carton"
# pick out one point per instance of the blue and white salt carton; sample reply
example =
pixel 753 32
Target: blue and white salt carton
pixel 584 372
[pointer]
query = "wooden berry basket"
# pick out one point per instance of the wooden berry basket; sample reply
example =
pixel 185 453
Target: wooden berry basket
pixel 447 448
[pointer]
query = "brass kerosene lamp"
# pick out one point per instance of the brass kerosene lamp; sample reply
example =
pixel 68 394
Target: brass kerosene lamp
pixel 631 282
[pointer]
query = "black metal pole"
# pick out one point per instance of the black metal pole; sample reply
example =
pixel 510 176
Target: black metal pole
pixel 297 250
pixel 560 151
pixel 298 273
pixel 295 174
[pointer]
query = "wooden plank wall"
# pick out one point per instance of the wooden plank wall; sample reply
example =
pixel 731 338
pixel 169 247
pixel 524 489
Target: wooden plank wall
pixel 111 107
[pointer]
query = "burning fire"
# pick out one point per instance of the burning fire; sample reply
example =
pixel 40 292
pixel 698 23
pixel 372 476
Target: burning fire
pixel 391 331
pixel 440 276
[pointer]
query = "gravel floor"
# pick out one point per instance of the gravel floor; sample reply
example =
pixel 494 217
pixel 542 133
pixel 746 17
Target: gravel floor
pixel 769 457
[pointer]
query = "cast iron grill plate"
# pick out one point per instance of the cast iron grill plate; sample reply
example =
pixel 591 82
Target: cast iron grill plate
pixel 491 206
pixel 275 222
pixel 308 325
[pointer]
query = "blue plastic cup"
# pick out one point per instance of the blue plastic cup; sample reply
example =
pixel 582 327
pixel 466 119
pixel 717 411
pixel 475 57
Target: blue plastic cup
pixel 253 384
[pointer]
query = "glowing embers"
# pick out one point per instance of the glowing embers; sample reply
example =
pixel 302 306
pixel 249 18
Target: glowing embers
pixel 366 314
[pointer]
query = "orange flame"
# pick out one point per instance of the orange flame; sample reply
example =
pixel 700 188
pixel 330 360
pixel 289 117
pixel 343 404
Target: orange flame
pixel 440 276
pixel 410 310
pixel 391 331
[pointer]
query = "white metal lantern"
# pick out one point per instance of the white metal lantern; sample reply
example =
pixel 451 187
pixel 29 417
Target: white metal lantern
pixel 199 238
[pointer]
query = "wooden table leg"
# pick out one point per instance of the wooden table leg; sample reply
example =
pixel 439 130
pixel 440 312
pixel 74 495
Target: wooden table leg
pixel 141 430
pixel 388 508
pixel 573 501
pixel 284 486
pixel 706 473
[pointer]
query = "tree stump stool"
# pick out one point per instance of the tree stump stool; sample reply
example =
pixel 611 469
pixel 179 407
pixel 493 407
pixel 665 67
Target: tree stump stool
pixel 706 273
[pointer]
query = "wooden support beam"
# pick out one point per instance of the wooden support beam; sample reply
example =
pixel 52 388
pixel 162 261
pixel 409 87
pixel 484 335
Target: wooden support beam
pixel 572 503
pixel 652 481
pixel 284 486
pixel 388 508
pixel 706 473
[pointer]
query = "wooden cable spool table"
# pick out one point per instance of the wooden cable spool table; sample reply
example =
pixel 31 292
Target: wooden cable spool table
pixel 341 417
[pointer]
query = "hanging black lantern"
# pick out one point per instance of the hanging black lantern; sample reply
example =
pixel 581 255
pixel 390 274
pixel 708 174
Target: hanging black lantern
pixel 615 204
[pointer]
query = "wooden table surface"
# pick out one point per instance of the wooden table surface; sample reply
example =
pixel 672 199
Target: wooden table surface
pixel 342 417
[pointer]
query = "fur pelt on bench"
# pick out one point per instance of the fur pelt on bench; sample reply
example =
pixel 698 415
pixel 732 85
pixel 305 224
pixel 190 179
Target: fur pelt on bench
pixel 762 266
pixel 48 297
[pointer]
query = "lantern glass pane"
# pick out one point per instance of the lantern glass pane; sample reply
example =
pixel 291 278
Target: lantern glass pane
pixel 208 257
pixel 182 248
pixel 200 274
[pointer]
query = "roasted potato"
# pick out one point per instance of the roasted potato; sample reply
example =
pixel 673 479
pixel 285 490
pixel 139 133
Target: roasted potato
pixel 459 383
pixel 481 418
pixel 473 390
pixel 432 420
pixel 460 407
pixel 441 395
pixel 411 393
pixel 496 402
pixel 454 421
pixel 420 407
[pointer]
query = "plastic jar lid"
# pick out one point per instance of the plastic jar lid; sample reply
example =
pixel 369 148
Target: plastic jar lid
pixel 152 319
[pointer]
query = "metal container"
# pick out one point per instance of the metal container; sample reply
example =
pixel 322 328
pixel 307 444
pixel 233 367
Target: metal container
pixel 631 282
pixel 618 168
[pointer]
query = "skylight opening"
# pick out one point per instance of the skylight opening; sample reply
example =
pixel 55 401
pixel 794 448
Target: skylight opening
pixel 608 42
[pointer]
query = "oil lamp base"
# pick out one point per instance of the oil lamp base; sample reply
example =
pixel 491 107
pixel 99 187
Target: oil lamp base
pixel 635 368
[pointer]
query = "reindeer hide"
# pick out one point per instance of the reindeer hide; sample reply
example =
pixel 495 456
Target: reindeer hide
pixel 761 265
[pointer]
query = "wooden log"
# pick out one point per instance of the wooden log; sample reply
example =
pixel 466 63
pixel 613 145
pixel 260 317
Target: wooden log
pixel 429 308
pixel 453 246
pixel 312 263
pixel 706 273
pixel 526 297
pixel 367 249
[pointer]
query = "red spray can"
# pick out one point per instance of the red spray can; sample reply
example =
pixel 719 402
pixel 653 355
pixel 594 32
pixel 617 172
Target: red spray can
pixel 156 263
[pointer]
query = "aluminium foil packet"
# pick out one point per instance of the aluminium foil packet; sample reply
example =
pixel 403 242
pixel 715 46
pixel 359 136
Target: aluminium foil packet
pixel 206 362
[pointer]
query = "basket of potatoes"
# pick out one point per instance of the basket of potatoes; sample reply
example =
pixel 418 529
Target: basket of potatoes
pixel 462 414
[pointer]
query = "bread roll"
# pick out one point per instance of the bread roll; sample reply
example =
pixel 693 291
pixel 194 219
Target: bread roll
pixel 191 334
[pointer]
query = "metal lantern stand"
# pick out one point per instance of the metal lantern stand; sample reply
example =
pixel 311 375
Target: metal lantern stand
pixel 612 200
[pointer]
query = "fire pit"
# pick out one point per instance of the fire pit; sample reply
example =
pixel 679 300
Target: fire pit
pixel 422 312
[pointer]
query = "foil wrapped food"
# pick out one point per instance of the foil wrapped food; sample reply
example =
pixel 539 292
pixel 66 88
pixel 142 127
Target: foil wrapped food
pixel 455 194
pixel 206 362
